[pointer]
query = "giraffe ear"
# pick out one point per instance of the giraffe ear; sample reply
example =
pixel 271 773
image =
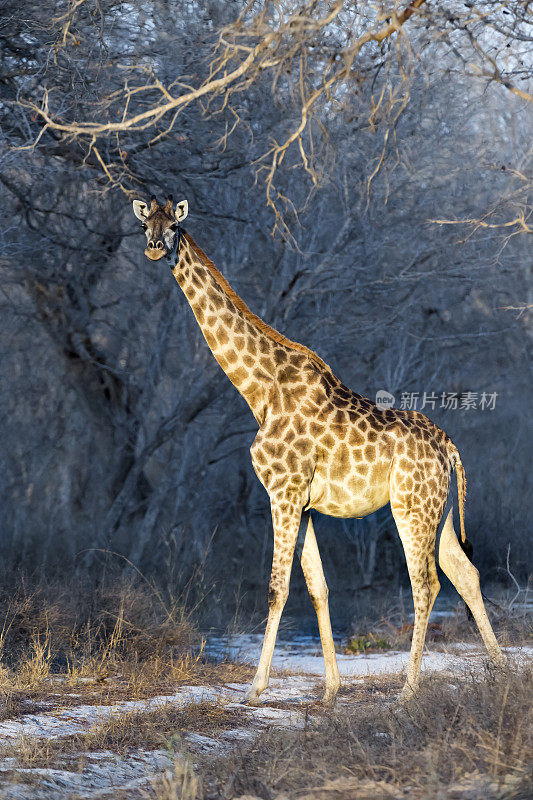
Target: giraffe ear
pixel 182 209
pixel 140 209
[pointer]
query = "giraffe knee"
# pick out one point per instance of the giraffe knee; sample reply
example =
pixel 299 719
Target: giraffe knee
pixel 462 573
pixel 319 595
pixel 433 582
pixel 468 581
pixel 277 595
pixel 425 591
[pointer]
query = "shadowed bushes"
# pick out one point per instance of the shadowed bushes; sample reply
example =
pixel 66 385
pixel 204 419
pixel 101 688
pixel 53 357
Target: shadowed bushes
pixel 51 635
pixel 127 617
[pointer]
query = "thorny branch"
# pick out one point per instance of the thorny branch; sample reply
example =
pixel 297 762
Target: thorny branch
pixel 518 198
pixel 321 57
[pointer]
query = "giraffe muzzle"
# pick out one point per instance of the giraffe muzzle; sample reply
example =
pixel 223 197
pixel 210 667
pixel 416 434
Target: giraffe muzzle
pixel 155 250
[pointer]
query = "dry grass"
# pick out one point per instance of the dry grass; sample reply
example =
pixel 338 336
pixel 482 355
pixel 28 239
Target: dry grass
pixel 123 640
pixel 475 734
pixel 56 623
pixel 392 627
pixel 158 728
pixel 161 728
pixel 180 783
pixel 126 641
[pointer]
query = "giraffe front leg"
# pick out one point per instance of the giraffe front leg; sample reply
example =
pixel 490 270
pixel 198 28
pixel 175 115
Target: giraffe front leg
pixel 286 514
pixel 318 592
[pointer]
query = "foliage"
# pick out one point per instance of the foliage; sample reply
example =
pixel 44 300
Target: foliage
pixel 366 642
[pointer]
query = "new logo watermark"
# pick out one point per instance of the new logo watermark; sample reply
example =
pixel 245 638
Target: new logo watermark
pixel 449 401
pixel 384 399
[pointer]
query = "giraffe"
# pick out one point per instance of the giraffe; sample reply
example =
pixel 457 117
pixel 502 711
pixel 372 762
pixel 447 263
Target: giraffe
pixel 321 446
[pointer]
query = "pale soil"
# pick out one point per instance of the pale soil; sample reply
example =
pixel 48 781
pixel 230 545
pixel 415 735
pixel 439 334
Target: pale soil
pixel 77 771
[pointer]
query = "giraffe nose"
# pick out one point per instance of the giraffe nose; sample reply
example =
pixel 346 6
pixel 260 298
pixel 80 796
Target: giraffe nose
pixel 155 250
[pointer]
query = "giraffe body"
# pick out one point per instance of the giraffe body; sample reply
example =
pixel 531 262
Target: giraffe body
pixel 321 446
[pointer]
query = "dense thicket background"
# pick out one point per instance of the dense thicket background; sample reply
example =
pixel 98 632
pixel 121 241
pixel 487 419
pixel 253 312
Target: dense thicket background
pixel 119 430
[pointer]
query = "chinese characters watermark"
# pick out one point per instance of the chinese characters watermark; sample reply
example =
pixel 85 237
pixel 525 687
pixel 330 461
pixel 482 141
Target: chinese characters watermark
pixel 449 401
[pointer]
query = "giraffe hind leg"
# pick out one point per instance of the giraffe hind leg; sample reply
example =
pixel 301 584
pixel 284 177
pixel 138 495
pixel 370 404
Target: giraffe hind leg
pixel 462 573
pixel 418 540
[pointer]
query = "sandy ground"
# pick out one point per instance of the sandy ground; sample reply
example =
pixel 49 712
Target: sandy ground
pixel 290 697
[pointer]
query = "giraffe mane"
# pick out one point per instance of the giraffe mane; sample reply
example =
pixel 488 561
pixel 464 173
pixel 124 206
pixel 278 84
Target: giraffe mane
pixel 272 333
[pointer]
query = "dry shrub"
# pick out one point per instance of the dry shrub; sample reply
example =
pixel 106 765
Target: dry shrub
pixel 124 627
pixel 120 640
pixel 12 704
pixel 180 783
pixel 475 733
pixel 513 625
pixel 392 624
pixel 158 728
pixel 130 613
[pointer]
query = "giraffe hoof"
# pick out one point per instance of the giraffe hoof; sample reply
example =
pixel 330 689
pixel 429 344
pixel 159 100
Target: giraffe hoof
pixel 251 698
pixel 406 694
pixel 328 699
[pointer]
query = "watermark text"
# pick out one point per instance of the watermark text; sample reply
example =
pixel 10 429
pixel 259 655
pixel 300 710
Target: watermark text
pixel 429 401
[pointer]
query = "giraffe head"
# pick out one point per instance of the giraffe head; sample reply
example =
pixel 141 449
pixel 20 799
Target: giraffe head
pixel 160 224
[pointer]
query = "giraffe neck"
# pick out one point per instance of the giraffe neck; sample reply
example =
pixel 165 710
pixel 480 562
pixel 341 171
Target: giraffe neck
pixel 248 350
pixel 241 349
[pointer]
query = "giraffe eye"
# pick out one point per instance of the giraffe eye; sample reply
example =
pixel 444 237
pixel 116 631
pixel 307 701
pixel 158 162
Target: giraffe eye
pixel 174 226
pixel 144 226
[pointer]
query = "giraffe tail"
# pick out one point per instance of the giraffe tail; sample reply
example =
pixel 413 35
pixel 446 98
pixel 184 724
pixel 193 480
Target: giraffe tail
pixel 453 455
pixel 466 545
pixel 455 461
